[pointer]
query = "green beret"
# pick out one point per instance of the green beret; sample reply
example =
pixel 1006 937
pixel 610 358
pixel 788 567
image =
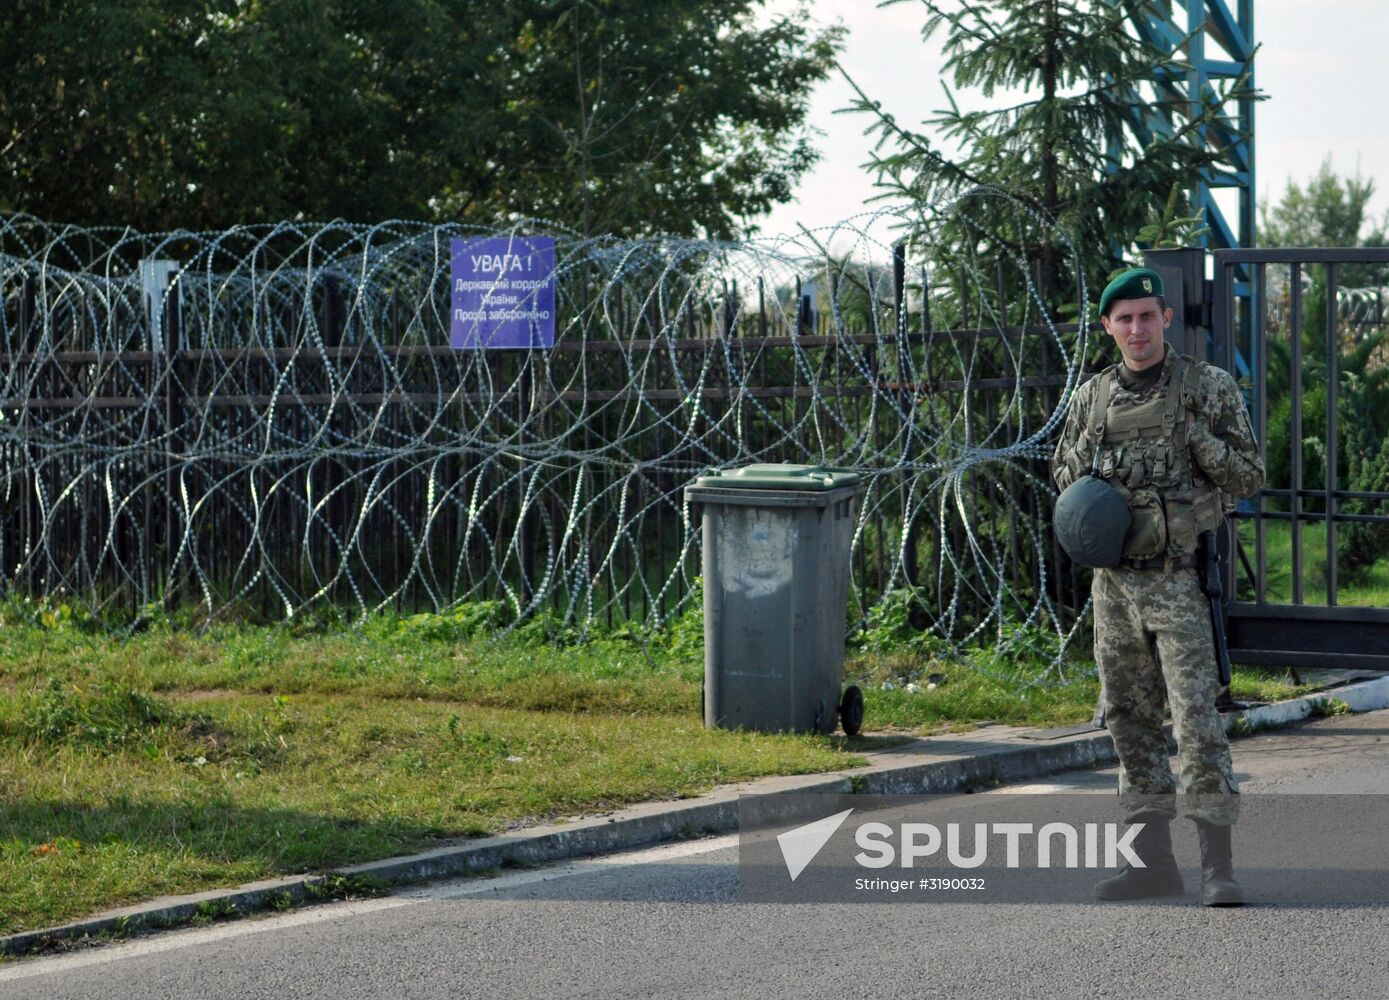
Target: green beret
pixel 1135 283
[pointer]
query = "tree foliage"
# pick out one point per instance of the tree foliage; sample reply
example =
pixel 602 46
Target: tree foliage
pixel 1330 211
pixel 1362 416
pixel 1333 211
pixel 1079 145
pixel 604 115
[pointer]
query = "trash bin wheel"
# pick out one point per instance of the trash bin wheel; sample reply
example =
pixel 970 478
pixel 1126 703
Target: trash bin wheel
pixel 851 710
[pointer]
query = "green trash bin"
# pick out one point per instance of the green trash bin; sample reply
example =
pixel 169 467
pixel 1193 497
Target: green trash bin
pixel 776 590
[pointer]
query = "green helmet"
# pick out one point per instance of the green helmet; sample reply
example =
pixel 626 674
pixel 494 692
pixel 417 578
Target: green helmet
pixel 1091 519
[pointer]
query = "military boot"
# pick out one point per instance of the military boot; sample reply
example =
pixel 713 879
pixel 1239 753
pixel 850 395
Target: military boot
pixel 1218 885
pixel 1153 845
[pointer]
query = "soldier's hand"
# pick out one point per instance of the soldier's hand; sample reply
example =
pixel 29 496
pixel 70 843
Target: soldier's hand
pixel 1198 435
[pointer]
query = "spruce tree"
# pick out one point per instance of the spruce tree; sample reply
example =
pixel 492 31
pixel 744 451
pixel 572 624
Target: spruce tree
pixel 1076 130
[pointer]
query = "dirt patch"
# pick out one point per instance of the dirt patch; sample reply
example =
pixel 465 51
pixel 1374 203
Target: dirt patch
pixel 203 694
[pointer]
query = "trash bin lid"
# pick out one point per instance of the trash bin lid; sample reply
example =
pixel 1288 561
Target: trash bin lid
pixel 780 476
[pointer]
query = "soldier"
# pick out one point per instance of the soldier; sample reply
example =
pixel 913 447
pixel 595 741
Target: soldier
pixel 1169 439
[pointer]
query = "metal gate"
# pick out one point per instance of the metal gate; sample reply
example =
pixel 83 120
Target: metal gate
pixel 1305 317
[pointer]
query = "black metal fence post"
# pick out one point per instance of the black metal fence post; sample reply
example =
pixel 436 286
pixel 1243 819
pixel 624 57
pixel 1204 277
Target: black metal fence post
pixel 1183 273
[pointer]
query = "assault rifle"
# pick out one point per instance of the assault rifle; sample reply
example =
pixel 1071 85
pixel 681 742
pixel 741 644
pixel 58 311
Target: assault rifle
pixel 1208 569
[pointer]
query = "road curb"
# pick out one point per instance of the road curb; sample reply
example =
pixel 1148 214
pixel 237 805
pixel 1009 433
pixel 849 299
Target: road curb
pixel 978 761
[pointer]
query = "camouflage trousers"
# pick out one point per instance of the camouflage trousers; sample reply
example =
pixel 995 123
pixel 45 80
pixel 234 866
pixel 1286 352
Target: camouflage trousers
pixel 1153 630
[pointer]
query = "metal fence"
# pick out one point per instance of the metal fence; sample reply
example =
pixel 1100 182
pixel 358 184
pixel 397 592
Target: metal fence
pixel 1311 546
pixel 275 424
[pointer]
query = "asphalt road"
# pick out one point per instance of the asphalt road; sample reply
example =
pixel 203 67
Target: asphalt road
pixel 668 923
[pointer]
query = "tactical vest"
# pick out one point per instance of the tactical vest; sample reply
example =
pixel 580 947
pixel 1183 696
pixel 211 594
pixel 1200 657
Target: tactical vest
pixel 1143 454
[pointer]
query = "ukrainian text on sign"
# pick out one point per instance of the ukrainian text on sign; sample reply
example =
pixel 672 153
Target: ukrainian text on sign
pixel 502 292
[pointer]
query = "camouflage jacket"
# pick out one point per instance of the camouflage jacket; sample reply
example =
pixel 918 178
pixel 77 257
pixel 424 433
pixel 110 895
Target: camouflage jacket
pixel 1221 442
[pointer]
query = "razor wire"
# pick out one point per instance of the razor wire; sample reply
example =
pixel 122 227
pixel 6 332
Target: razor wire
pixel 271 417
pixel 1360 310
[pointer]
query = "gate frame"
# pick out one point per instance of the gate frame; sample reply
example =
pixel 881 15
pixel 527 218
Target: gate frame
pixel 1297 634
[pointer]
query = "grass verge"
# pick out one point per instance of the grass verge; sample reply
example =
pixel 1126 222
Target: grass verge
pixel 174 761
pixel 957 696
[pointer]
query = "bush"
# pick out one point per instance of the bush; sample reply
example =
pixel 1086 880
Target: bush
pixel 459 623
pixel 888 628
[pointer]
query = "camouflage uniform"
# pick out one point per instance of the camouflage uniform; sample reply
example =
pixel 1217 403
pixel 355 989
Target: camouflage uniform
pixel 1152 626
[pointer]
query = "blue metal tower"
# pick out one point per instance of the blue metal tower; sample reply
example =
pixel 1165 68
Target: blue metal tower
pixel 1216 43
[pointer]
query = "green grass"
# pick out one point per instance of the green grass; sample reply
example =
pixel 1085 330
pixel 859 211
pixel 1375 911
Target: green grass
pixel 966 695
pixel 1369 590
pixel 596 677
pixel 1251 684
pixel 238 787
pixel 969 695
pixel 172 761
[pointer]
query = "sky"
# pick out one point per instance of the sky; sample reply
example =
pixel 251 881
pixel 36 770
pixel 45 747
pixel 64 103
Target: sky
pixel 1321 64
